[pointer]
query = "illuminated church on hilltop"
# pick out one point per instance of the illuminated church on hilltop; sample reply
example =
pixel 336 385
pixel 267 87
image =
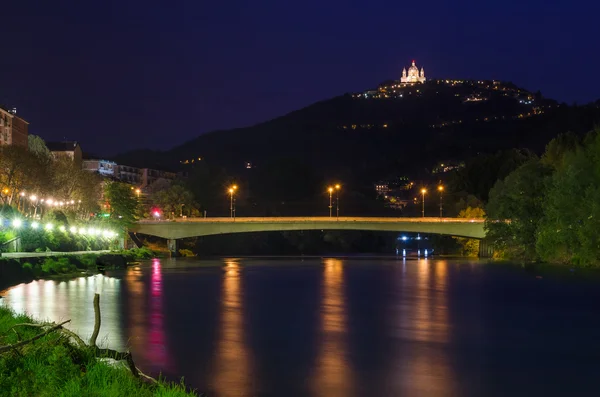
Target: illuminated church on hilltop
pixel 413 75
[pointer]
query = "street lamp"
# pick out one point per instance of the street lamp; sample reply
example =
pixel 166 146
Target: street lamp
pixel 337 200
pixel 423 191
pixel 138 191
pixel 330 200
pixel 232 190
pixel 441 190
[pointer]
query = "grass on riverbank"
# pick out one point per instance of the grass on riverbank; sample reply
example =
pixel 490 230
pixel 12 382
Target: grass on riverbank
pixel 53 366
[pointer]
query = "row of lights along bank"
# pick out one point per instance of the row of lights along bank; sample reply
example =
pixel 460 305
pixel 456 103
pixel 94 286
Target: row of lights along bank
pixel 18 223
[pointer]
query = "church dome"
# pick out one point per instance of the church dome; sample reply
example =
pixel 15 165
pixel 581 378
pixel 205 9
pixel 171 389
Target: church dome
pixel 413 68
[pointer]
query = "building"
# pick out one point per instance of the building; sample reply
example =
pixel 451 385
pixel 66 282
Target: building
pixel 102 167
pixel 68 149
pixel 13 130
pixel 148 176
pixel 128 174
pixel 382 188
pixel 413 75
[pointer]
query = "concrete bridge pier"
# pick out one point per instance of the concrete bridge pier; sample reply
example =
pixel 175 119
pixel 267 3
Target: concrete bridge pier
pixel 486 250
pixel 173 246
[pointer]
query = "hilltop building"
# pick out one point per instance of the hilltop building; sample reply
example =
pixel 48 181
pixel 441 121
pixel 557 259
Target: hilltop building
pixel 13 130
pixel 413 75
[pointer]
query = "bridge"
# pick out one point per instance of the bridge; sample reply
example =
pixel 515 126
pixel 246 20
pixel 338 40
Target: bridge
pixel 180 228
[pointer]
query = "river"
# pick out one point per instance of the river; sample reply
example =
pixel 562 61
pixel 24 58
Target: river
pixel 341 327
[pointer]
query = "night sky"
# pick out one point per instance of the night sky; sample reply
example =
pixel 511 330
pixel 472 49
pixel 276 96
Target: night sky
pixel 121 75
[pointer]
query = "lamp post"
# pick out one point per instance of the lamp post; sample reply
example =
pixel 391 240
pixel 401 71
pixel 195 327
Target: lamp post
pixel 181 210
pixel 330 200
pixel 337 200
pixel 441 190
pixel 423 191
pixel 232 190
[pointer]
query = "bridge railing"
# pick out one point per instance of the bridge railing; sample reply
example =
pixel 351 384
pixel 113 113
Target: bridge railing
pixel 313 219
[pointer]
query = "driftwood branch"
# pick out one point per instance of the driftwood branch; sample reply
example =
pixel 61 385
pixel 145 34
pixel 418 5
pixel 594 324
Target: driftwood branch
pixel 60 329
pixel 4 349
pixel 97 320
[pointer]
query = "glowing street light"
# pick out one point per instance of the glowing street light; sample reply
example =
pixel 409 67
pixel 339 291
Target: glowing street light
pixel 48 226
pixel 232 191
pixel 34 225
pixel 62 228
pixel 73 229
pixel 17 223
pixel 441 190
pixel 423 191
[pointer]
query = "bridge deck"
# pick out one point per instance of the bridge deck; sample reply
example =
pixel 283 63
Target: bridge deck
pixel 192 227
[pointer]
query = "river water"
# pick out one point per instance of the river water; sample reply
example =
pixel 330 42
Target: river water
pixel 341 327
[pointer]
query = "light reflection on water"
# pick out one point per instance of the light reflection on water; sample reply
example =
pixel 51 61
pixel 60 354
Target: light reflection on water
pixel 63 300
pixel 231 368
pixel 332 369
pixel 387 328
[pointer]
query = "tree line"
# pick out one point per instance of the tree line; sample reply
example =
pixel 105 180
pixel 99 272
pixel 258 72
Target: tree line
pixel 548 208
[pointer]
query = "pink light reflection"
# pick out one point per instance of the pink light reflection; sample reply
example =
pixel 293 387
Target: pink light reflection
pixel 156 336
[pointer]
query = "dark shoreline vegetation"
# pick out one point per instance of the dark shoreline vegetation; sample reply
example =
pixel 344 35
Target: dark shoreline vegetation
pixel 59 363
pixel 24 270
pixel 546 210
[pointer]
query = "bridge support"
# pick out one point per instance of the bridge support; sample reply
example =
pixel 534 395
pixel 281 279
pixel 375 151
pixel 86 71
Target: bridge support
pixel 173 246
pixel 486 250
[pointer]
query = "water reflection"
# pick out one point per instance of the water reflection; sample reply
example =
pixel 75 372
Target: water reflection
pixel 63 300
pixel 231 374
pixel 332 376
pixel 421 327
pixel 137 309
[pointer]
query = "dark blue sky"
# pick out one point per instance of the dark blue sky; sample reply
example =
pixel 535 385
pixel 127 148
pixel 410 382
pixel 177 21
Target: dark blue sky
pixel 119 75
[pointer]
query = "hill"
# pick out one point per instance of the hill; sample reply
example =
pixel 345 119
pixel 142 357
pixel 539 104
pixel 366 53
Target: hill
pixel 392 129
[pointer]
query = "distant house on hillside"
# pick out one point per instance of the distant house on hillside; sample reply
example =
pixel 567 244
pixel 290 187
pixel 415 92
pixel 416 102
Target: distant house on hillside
pixel 69 149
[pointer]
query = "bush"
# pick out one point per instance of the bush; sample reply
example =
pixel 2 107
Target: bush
pixel 60 265
pixel 186 253
pixel 27 266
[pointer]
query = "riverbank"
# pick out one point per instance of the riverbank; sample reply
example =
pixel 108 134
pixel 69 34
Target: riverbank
pixel 17 270
pixel 55 365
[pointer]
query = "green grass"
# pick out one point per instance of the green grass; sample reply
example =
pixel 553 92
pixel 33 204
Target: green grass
pixel 52 366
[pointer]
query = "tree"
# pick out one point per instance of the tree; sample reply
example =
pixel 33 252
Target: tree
pixel 174 200
pixel 72 183
pixel 515 209
pixel 558 148
pixel 122 203
pixel 38 146
pixel 570 229
pixel 20 171
pixel 470 246
pixel 481 173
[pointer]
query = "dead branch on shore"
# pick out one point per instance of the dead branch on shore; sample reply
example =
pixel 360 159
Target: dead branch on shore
pixel 4 349
pixel 60 329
